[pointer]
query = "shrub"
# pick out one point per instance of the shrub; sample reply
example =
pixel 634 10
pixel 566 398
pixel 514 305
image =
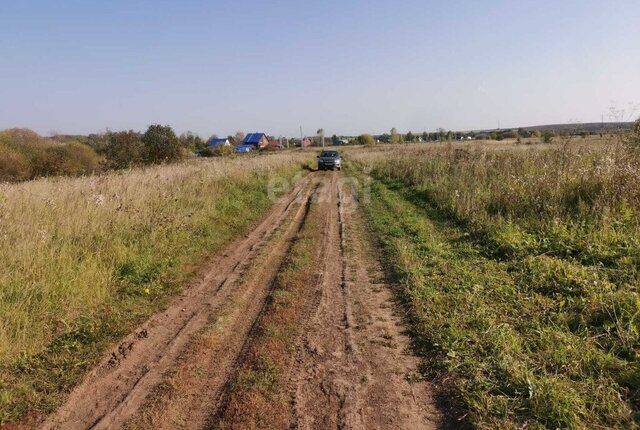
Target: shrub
pixel 217 151
pixel 161 144
pixel 547 136
pixel 72 160
pixel 124 149
pixel 22 136
pixel 13 165
pixel 25 155
pixel 192 142
pixel 366 139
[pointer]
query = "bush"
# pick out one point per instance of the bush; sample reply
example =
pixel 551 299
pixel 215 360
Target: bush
pixel 366 139
pixel 192 142
pixel 547 136
pixel 124 149
pixel 25 155
pixel 13 165
pixel 161 144
pixel 22 136
pixel 72 160
pixel 217 151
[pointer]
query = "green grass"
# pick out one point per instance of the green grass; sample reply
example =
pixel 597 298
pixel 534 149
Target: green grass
pixel 524 339
pixel 82 274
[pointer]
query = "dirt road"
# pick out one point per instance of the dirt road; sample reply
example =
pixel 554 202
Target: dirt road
pixel 352 367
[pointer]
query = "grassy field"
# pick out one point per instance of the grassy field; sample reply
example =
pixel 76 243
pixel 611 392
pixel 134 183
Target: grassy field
pixel 84 259
pixel 520 268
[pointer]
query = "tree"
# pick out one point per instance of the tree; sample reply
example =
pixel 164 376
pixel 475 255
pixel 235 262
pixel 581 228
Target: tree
pixel 123 149
pixel 334 140
pixel 320 133
pixel 547 136
pixel 385 138
pixel 161 144
pixel 192 141
pixel 395 136
pixel 425 136
pixel 366 139
pixel 410 137
pixel 238 138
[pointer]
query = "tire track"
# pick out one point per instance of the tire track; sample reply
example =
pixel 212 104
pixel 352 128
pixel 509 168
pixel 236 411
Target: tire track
pixel 323 390
pixel 225 392
pixel 354 369
pixel 119 385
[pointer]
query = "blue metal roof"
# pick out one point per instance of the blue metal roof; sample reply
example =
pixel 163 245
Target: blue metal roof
pixel 244 148
pixel 252 138
pixel 214 142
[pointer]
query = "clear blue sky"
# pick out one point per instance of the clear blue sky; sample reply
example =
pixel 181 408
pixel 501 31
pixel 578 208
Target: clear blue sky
pixel 347 66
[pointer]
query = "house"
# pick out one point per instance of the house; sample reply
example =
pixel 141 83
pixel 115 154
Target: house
pixel 275 144
pixel 216 142
pixel 243 149
pixel 306 142
pixel 258 140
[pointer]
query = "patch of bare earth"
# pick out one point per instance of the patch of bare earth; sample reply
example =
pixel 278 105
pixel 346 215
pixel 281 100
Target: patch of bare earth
pixel 259 396
pixel 355 369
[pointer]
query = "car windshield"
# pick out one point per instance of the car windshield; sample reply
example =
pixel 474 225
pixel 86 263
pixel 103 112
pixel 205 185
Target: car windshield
pixel 329 154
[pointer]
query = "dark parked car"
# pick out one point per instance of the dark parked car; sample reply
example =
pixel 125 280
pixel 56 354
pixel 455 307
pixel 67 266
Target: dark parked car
pixel 329 160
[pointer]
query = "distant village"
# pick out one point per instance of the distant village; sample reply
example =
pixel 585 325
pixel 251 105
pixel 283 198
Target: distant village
pixel 241 143
pixel 263 142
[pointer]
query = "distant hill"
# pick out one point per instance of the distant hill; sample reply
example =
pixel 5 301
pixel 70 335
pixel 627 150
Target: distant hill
pixel 590 127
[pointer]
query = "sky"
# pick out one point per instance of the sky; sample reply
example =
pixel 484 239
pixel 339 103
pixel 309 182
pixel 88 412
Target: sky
pixel 348 66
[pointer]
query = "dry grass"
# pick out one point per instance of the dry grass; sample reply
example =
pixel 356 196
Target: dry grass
pixel 84 258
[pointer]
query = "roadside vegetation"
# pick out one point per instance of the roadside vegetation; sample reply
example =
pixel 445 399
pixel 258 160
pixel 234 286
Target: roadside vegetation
pixel 520 268
pixel 25 155
pixel 85 259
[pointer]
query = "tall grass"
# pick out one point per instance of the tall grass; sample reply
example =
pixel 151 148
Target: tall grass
pixel 83 258
pixel 521 269
pixel 566 200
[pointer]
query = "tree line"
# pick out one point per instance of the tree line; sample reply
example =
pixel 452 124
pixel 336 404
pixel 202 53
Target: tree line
pixel 25 155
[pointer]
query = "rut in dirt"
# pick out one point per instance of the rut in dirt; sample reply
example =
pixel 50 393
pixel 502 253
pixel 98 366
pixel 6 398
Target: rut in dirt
pixel 355 369
pixel 119 386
